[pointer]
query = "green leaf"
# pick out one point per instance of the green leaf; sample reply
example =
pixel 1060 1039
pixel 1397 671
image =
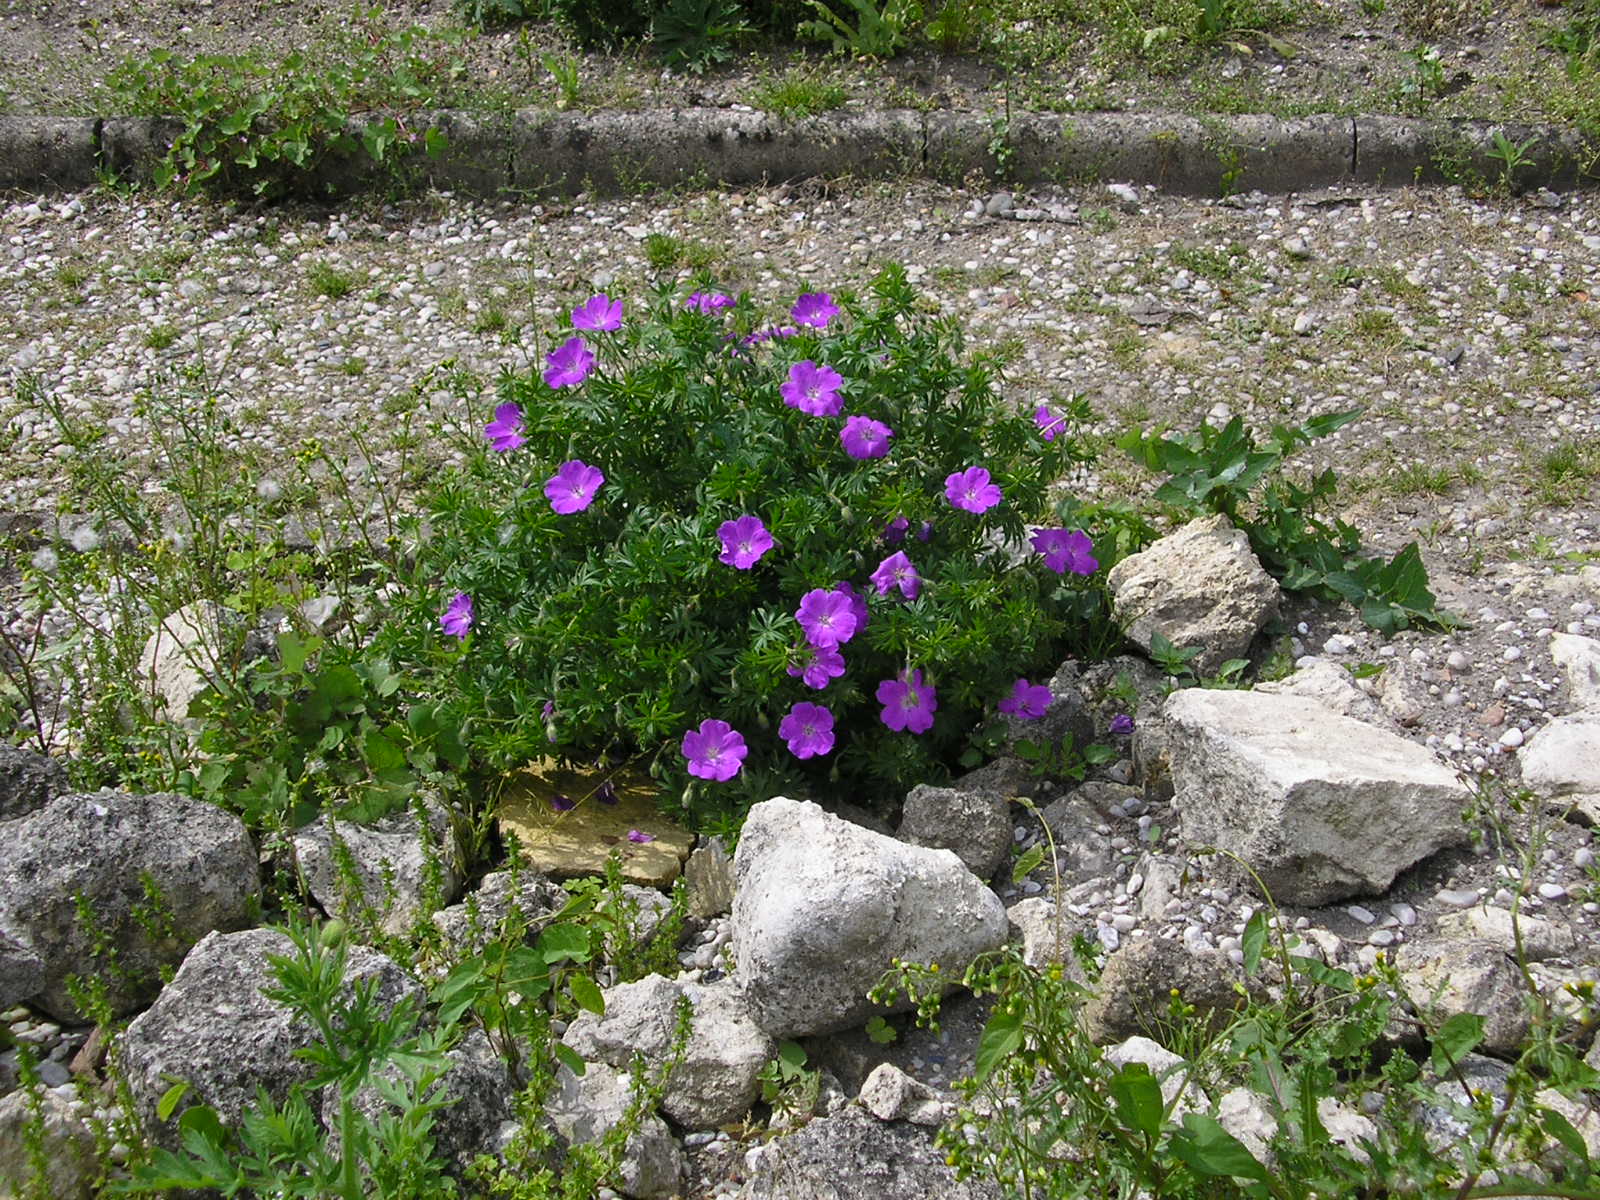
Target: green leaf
pixel 169 1099
pixel 586 994
pixel 434 141
pixel 1027 862
pixel 1456 1038
pixel 1559 1128
pixel 1211 1150
pixel 1001 1038
pixel 460 990
pixel 381 753
pixel 564 942
pixel 1138 1099
pixel 1255 941
pixel 880 1031
pixel 573 1060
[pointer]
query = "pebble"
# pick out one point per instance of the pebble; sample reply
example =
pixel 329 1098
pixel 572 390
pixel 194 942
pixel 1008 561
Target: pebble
pixel 1458 898
pixel 1457 661
pixel 1382 937
pixel 1552 891
pixel 1365 915
pixel 1404 913
pixel 1511 738
pixel 1583 858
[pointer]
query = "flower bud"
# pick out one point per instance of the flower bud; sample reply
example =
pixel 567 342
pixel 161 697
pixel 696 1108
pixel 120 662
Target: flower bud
pixel 332 933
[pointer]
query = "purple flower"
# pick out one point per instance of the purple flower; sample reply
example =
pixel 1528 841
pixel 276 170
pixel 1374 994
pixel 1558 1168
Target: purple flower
pixel 925 533
pixel 764 335
pixel 505 431
pixel 457 618
pixel 606 793
pixel 715 751
pixel 865 438
pixel 815 309
pixel 908 703
pixel 1066 550
pixel 600 313
pixel 1122 723
pixel 571 489
pixel 570 364
pixel 828 617
pixel 813 389
pixel 858 605
pixel 708 302
pixel 744 541
pixel 808 728
pixel 549 709
pixel 971 490
pixel 1049 424
pixel 562 802
pixel 1027 700
pixel 639 837
pixel 816 666
pixel 895 531
pixel 897 571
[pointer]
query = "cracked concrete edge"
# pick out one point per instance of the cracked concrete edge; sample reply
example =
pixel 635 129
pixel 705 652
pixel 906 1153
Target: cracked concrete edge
pixel 538 152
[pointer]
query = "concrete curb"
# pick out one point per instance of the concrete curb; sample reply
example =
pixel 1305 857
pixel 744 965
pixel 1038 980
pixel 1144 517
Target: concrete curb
pixel 538 152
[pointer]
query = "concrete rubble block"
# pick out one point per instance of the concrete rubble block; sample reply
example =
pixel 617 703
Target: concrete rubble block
pixel 1321 807
pixel 1447 978
pixel 976 825
pixel 1401 151
pixel 852 1156
pixel 824 907
pixel 213 1028
pixel 584 1108
pixel 569 152
pixel 131 148
pixel 392 862
pixel 28 781
pixel 145 876
pixel 47 153
pixel 716 1083
pixel 1199 587
pixel 487 913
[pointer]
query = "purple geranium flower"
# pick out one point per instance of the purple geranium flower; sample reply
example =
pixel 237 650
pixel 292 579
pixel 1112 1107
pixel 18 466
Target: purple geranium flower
pixel 908 703
pixel 926 532
pixel 766 335
pixel 1049 424
pixel 858 605
pixel 897 571
pixel 971 490
pixel 562 802
pixel 744 541
pixel 895 531
pixel 828 617
pixel 639 837
pixel 571 489
pixel 865 438
pixel 816 666
pixel 505 431
pixel 570 363
pixel 715 751
pixel 600 313
pixel 708 302
pixel 1027 700
pixel 457 618
pixel 813 389
pixel 1066 550
pixel 1122 723
pixel 815 309
pixel 606 793
pixel 808 728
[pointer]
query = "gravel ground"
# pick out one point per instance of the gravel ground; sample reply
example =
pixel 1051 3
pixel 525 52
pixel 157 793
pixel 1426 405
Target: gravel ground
pixel 1467 330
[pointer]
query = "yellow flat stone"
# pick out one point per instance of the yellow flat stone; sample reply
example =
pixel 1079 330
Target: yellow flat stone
pixel 563 845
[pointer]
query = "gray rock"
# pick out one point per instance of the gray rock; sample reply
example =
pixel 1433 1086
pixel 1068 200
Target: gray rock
pixel 1046 937
pixel 68 1145
pixel 395 862
pixel 823 907
pixel 1562 761
pixel 716 1083
pixel 212 1027
pixel 1579 657
pixel 186 653
pixel 891 1095
pixel 22 972
pixel 1201 586
pixel 28 781
pixel 851 1156
pixel 154 875
pixel 500 905
pixel 1540 939
pixel 1331 686
pixel 1445 979
pixel 1321 807
pixel 1005 778
pixel 584 1108
pixel 976 825
pixel 709 874
pixel 1134 993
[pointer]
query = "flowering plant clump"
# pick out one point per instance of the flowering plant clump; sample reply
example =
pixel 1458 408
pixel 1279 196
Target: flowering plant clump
pixel 810 553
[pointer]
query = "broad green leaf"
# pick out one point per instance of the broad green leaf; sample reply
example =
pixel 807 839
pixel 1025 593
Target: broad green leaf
pixel 586 994
pixel 1558 1127
pixel 560 943
pixel 791 1054
pixel 1001 1038
pixel 1138 1099
pixel 1211 1150
pixel 1456 1038
pixel 169 1100
pixel 1027 862
pixel 569 1056
pixel 1255 941
pixel 459 991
